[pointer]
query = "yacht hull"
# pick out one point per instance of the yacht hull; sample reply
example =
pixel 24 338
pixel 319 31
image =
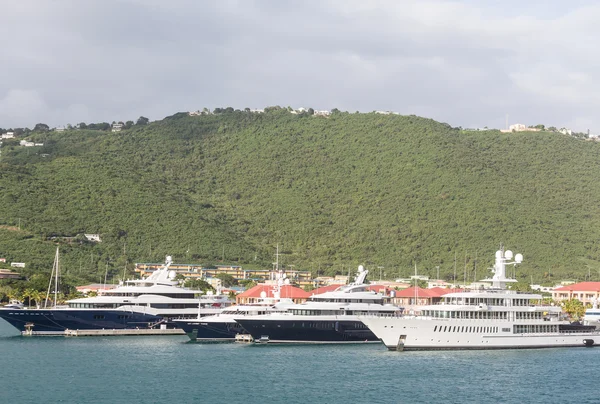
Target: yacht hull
pixel 406 334
pixel 308 331
pixel 211 331
pixel 56 321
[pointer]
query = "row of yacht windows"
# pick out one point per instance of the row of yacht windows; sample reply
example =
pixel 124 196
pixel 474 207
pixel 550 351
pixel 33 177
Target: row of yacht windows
pixel 484 315
pixel 338 300
pixel 299 312
pixel 475 301
pixel 102 317
pixel 518 329
pixel 173 295
pixel 475 315
pixel 487 330
pixel 525 329
pixel 245 313
pixel 115 305
pixel 326 325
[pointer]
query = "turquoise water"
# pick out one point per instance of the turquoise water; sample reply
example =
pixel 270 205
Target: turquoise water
pixel 171 370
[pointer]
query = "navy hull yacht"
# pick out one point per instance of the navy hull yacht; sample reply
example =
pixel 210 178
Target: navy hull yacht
pixel 138 304
pixel 330 317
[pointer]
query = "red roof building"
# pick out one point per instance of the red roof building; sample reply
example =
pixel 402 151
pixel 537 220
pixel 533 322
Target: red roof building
pixel 323 289
pixel 94 287
pixel 411 298
pixel 585 292
pixel 254 294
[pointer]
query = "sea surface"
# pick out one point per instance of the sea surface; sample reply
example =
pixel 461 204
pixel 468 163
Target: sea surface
pixel 170 369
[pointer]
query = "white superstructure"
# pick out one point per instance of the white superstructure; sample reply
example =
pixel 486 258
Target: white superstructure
pixel 330 317
pixel 483 319
pixel 224 327
pixel 159 294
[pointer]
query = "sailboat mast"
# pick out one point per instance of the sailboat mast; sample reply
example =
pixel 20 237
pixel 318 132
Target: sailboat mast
pixel 56 277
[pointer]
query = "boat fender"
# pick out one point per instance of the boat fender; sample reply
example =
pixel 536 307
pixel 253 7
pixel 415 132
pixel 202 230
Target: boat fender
pixel 588 342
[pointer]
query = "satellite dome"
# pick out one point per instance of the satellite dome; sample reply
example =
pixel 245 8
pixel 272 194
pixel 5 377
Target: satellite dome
pixel 263 294
pixel 508 254
pixel 499 254
pixel 287 282
pixel 519 258
pixel 172 274
pixel 361 268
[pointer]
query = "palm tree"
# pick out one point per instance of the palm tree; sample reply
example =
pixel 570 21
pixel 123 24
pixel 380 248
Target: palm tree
pixel 574 308
pixel 38 296
pixel 27 294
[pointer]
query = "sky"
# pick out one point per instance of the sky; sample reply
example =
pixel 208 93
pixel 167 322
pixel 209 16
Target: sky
pixel 468 63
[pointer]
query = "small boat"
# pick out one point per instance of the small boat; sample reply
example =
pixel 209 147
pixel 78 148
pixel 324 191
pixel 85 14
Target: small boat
pixel 15 305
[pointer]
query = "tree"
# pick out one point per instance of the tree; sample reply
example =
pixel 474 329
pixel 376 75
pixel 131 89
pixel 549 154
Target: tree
pixel 142 120
pixel 38 297
pixel 227 280
pixel 41 127
pixel 521 287
pixel 27 294
pixel 247 283
pixel 82 125
pixel 128 125
pixel 199 284
pixel 574 308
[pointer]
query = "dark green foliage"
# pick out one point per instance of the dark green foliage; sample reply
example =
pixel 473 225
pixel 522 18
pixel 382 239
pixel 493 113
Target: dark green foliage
pixel 227 280
pixel 381 190
pixel 199 284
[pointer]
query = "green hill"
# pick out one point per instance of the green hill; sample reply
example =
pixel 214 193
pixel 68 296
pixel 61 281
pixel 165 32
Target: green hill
pixel 383 190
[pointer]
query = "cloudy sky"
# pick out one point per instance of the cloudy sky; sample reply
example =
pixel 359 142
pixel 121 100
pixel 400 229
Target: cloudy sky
pixel 468 63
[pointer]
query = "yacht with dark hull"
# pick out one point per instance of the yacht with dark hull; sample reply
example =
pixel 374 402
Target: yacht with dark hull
pixel 223 326
pixel 330 317
pixel 138 304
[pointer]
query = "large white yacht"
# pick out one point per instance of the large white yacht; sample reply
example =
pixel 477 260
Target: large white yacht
pixel 159 295
pixel 330 317
pixel 483 319
pixel 138 304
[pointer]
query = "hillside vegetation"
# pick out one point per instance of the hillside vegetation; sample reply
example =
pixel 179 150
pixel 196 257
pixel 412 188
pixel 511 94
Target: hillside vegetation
pixel 382 190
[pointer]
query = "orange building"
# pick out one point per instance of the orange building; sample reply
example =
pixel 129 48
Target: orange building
pixel 254 294
pixel 585 292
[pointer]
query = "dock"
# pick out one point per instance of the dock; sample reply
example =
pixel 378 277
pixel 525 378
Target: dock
pixel 142 331
pixel 111 332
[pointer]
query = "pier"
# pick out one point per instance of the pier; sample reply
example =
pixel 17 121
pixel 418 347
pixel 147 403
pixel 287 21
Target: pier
pixel 110 332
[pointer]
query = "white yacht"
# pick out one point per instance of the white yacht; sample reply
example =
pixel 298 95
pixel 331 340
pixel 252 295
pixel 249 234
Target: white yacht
pixel 330 317
pixel 158 295
pixel 483 319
